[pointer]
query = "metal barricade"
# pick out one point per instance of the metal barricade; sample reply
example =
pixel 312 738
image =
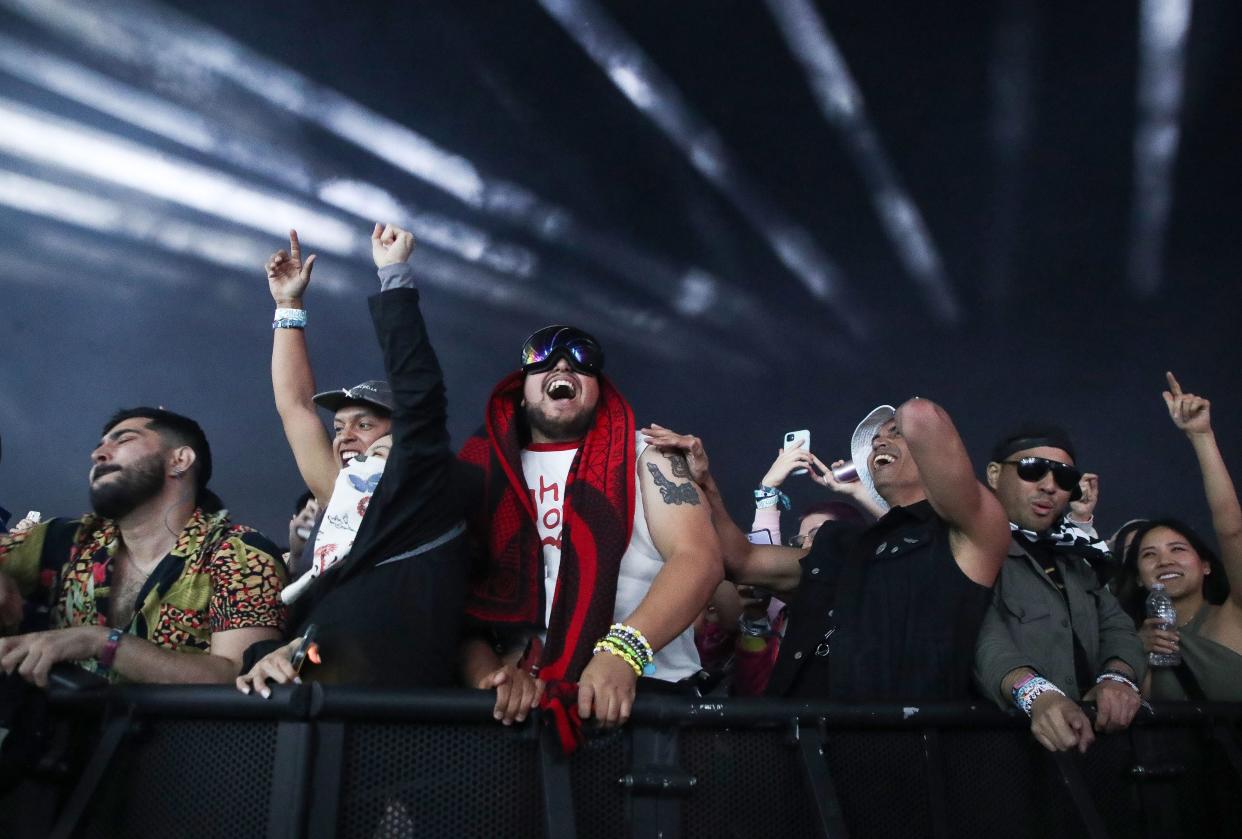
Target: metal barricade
pixel 316 761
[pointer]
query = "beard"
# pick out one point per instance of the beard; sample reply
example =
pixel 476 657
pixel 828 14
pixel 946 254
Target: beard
pixel 136 485
pixel 560 429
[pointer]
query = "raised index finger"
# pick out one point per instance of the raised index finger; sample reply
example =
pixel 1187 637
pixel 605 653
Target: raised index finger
pixel 294 248
pixel 1174 387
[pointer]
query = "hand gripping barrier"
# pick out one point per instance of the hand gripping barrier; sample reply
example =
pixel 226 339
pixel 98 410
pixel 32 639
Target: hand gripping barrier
pixel 316 761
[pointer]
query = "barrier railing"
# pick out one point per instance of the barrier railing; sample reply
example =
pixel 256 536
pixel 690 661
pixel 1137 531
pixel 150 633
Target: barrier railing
pixel 347 762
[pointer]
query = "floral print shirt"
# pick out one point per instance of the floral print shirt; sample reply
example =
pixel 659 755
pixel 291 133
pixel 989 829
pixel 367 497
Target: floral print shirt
pixel 218 576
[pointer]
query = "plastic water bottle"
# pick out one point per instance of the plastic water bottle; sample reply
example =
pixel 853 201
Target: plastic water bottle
pixel 1160 606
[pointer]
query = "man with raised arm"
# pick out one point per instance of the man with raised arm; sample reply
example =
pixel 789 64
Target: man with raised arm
pixel 598 551
pixel 887 612
pixel 157 585
pixel 1054 634
pixel 386 587
pixel 360 415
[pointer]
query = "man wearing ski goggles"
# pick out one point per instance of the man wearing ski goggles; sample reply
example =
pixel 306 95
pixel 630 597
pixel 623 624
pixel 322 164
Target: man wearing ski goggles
pixel 1054 635
pixel 596 610
pixel 561 389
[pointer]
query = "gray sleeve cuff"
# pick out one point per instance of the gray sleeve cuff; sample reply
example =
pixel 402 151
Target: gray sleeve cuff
pixel 398 275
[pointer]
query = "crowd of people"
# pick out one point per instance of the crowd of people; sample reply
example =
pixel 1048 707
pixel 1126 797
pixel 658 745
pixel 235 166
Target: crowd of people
pixel 566 559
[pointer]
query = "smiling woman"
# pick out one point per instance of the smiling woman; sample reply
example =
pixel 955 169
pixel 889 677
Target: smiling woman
pixel 1206 590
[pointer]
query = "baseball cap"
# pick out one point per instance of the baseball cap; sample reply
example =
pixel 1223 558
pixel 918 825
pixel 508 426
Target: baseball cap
pixel 375 392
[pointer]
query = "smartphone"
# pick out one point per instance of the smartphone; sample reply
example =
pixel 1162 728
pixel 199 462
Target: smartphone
pixel 762 536
pixel 299 655
pixel 791 440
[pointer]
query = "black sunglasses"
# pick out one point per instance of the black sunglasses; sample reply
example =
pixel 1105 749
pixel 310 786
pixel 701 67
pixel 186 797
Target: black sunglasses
pixel 1034 468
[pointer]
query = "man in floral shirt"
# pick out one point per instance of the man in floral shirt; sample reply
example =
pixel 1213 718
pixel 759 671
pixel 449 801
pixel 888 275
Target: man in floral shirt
pixel 156 585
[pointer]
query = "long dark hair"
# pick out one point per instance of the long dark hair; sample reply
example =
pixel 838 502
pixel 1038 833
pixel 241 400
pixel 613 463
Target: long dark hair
pixel 1133 596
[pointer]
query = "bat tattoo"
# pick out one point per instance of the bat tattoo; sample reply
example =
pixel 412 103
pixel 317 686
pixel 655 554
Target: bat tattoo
pixel 673 493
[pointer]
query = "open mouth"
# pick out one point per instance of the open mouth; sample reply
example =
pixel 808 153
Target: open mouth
pixel 882 459
pixel 561 389
pixel 347 456
pixel 1168 575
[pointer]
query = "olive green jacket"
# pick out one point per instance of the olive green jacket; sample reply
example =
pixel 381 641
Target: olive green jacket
pixel 1028 625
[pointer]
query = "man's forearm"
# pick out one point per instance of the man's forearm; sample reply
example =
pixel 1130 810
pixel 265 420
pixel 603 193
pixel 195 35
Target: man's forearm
pixel 293 382
pixel 677 595
pixel 734 545
pixel 138 660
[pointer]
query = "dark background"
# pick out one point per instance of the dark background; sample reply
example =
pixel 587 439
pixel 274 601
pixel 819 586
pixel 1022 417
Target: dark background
pixel 1032 224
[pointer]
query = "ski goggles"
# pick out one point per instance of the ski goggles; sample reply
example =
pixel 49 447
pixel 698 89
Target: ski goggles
pixel 544 347
pixel 1033 469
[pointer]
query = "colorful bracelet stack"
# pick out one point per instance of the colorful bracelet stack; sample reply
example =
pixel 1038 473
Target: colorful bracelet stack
pixel 1117 676
pixel 1027 690
pixel 289 319
pixel 628 644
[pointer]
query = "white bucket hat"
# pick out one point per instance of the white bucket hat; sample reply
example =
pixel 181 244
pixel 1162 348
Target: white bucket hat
pixel 860 446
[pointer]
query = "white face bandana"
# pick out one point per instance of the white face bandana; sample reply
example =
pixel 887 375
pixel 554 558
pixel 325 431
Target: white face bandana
pixel 355 484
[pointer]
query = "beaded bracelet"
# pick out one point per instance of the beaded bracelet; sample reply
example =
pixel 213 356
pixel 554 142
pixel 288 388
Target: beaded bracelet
pixel 606 645
pixel 629 648
pixel 629 638
pixel 632 634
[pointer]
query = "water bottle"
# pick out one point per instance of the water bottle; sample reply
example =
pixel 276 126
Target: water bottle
pixel 1160 606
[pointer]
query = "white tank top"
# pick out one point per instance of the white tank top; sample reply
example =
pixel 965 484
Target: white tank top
pixel 545 468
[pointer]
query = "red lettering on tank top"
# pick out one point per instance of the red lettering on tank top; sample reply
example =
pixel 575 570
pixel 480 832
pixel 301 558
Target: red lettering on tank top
pixel 555 489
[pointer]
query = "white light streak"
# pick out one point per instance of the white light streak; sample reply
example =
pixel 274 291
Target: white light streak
pixel 53 141
pixel 150 33
pixel 653 94
pixel 1011 74
pixel 842 105
pixel 201 65
pixel 1163 26
pixel 67 205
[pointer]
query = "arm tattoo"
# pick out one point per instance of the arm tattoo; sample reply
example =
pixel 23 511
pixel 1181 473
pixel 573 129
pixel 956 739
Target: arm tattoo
pixel 681 469
pixel 673 493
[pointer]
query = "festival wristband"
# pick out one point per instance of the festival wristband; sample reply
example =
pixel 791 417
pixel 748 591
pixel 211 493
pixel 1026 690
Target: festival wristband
pixel 1031 689
pixel 289 319
pixel 109 650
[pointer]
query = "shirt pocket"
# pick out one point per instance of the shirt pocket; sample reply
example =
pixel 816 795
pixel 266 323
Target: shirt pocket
pixel 1025 609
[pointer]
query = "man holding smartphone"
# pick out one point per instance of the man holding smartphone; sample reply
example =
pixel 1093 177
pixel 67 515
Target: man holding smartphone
pixel 887 612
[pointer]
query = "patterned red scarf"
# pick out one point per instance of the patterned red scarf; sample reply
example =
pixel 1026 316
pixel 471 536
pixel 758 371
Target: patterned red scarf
pixel 598 515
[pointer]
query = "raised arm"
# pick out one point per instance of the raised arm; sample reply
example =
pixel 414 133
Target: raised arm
pixel 775 568
pixel 1192 414
pixel 293 383
pixel 980 529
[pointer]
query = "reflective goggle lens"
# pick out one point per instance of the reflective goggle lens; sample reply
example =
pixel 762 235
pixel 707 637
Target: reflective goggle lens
pixel 542 349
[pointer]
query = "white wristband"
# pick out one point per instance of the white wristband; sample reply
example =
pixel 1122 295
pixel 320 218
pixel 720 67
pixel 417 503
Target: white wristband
pixel 289 319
